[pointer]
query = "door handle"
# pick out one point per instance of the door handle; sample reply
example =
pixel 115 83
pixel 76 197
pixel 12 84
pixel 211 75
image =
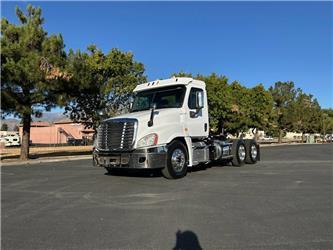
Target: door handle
pixel 205 126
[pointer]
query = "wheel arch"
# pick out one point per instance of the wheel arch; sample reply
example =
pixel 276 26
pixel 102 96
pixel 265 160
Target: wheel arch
pixel 182 140
pixel 169 171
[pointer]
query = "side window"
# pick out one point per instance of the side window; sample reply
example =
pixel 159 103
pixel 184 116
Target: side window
pixel 193 95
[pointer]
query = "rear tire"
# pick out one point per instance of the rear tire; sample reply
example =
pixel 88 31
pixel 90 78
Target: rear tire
pixel 176 161
pixel 238 151
pixel 252 151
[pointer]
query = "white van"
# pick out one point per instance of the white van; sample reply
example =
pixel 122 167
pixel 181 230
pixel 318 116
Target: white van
pixel 11 140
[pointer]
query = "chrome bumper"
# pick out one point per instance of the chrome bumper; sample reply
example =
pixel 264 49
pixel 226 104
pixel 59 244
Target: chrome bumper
pixel 138 159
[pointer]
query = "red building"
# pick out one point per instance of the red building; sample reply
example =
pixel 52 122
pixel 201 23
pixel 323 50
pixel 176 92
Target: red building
pixel 59 132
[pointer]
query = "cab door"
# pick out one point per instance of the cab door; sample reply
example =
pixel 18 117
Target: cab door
pixel 197 117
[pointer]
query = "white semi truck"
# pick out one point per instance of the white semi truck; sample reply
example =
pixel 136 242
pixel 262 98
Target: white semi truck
pixel 168 129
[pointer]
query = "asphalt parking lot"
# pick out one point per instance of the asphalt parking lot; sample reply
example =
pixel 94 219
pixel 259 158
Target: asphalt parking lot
pixel 283 202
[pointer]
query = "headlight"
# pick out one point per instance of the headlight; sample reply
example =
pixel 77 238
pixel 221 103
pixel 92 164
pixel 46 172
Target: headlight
pixel 148 140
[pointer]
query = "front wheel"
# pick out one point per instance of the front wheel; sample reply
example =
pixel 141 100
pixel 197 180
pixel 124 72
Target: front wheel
pixel 176 161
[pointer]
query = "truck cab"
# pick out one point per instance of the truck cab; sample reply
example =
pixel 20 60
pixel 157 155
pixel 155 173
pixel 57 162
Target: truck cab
pixel 167 128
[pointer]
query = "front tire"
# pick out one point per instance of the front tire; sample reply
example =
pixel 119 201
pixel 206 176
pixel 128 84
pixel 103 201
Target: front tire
pixel 239 153
pixel 176 161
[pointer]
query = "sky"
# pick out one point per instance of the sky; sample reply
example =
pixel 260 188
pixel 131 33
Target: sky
pixel 251 42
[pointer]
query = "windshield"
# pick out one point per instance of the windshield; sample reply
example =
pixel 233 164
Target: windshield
pixel 168 97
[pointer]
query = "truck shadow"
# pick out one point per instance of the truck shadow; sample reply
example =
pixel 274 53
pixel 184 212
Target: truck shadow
pixel 187 240
pixel 151 173
pixel 203 167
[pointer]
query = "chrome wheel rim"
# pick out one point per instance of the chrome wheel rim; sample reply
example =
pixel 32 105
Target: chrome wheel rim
pixel 241 152
pixel 254 152
pixel 178 160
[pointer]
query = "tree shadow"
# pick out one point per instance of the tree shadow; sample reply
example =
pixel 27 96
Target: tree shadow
pixel 187 240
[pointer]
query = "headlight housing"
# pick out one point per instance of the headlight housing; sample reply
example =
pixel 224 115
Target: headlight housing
pixel 148 140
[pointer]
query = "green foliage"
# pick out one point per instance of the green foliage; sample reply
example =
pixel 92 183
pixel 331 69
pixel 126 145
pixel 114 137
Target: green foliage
pixel 284 94
pixel 327 121
pixel 218 100
pixel 238 118
pixel 295 110
pixel 277 110
pixel 100 82
pixel 307 113
pixel 27 88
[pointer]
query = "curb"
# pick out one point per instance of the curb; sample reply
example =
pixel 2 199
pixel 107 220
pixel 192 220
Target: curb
pixel 55 159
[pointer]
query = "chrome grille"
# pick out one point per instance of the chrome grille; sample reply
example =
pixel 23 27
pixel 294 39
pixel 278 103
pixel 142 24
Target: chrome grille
pixel 117 134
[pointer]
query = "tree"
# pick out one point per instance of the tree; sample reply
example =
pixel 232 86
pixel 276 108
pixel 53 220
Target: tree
pixel 307 114
pixel 4 127
pixel 277 110
pixel 219 101
pixel 284 94
pixel 31 63
pixel 326 121
pixel 260 109
pixel 101 82
pixel 237 119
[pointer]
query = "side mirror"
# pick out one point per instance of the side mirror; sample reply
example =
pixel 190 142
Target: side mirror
pixel 199 100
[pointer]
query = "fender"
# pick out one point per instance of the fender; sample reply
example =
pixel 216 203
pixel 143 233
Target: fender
pixel 188 144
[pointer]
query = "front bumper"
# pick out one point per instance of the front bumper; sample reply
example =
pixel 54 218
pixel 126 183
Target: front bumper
pixel 147 158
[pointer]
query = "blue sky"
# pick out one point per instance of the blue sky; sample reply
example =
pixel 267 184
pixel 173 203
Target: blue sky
pixel 252 42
